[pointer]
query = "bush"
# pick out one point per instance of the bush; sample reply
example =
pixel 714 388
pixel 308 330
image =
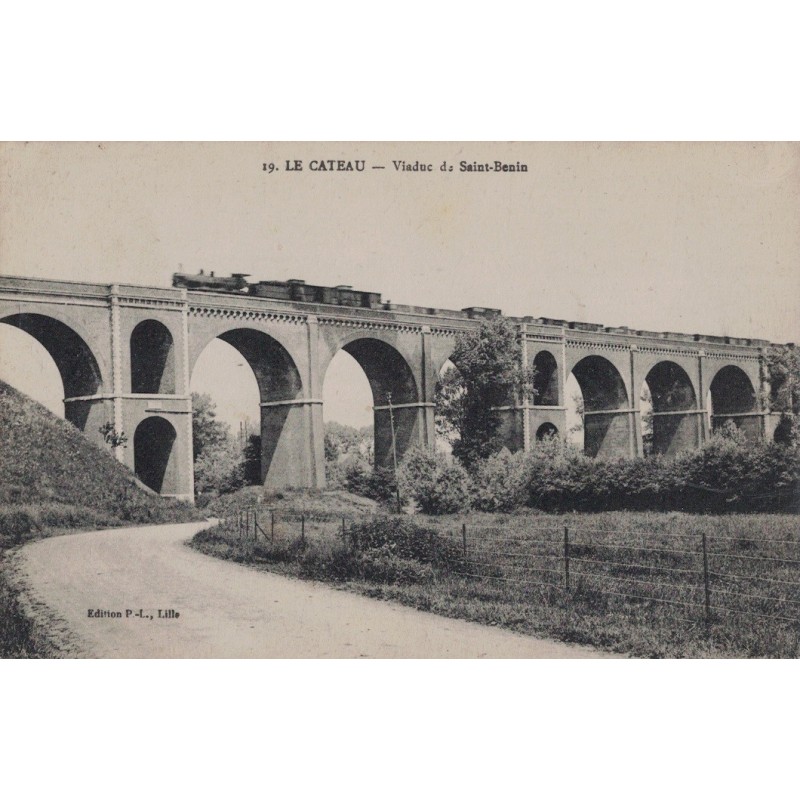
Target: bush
pixel 403 538
pixel 436 485
pixel 220 468
pixel 389 550
pixel 500 483
pixel 17 523
pixel 384 566
pixel 724 475
pixel 377 484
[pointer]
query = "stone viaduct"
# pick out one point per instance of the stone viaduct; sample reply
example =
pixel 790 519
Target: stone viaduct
pixel 126 353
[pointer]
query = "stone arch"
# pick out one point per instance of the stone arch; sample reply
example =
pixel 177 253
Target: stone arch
pixel 391 379
pixel 545 380
pixel 284 428
pixel 77 365
pixel 154 459
pixel 545 431
pixel 676 423
pixel 734 398
pixel 606 415
pixel 276 372
pixel 152 359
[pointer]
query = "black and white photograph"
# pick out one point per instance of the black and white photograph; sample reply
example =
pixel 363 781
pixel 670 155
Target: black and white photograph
pixel 400 400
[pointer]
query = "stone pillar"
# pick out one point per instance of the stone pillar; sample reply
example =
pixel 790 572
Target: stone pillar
pixel 410 421
pixel 635 417
pixel 427 383
pixel 116 369
pixel 315 421
pixel 764 394
pixel 286 444
pixel 704 432
pixel 187 378
pixel 524 399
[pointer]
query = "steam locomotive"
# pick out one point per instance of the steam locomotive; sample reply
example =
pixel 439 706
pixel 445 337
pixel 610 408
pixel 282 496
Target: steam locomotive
pixel 293 289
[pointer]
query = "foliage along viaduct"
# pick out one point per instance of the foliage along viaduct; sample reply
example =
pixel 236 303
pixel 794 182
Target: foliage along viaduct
pixel 126 353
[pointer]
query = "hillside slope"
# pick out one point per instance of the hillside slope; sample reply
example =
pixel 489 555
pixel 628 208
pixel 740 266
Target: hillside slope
pixel 52 476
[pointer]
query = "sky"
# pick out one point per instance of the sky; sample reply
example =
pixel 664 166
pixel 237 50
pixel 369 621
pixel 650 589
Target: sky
pixel 695 238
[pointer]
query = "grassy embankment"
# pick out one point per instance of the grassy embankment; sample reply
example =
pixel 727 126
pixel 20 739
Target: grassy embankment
pixel 54 481
pixel 654 558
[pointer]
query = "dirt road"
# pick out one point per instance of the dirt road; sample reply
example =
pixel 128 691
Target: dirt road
pixel 175 602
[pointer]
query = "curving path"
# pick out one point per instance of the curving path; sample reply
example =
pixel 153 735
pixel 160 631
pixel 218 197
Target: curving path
pixel 229 611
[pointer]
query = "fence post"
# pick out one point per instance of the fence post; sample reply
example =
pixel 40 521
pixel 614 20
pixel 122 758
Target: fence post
pixel 247 523
pixel 255 525
pixel 705 578
pixel 272 526
pixel 566 557
pixel 464 537
pixel 303 528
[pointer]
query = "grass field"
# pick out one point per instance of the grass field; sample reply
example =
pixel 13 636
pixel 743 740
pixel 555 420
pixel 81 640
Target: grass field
pixel 636 585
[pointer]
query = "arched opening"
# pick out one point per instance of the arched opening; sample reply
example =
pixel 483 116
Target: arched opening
pixel 226 421
pixel 153 458
pixel 545 380
pixel 152 359
pixel 606 423
pixel 76 365
pixel 347 416
pixel 546 431
pixel 573 402
pixel 260 407
pixel 30 369
pixel 732 398
pixel 394 398
pixel 668 407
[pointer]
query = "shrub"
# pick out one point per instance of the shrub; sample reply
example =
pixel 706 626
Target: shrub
pixel 384 566
pixel 389 550
pixel 724 475
pixel 219 468
pixel 436 485
pixel 400 536
pixel 377 484
pixel 17 522
pixel 500 483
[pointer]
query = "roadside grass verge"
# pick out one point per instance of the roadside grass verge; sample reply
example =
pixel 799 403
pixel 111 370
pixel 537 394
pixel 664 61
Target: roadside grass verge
pixel 502 577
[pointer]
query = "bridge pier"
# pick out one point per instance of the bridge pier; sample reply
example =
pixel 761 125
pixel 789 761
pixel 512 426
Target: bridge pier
pixel 413 427
pixel 290 442
pixel 152 422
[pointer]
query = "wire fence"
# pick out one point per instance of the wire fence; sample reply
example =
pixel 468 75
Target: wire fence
pixel 283 525
pixel 699 575
pixel 702 575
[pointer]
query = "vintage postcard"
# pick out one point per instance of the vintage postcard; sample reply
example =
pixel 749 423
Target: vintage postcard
pixel 399 400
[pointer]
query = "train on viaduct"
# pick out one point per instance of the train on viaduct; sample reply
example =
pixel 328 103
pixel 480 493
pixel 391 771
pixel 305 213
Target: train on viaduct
pixel 126 353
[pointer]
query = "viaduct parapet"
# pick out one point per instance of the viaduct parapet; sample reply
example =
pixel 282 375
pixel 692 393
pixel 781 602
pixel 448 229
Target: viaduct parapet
pixel 126 354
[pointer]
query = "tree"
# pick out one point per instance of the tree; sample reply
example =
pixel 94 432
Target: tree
pixel 219 459
pixel 449 404
pixel 575 432
pixel 490 374
pixel 344 440
pixel 783 371
pixel 207 430
pixel 646 400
